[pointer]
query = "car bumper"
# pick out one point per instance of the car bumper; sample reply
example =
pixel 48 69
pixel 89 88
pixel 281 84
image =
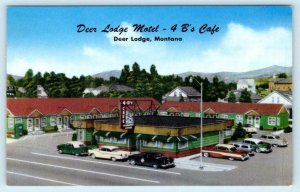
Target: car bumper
pixel 168 165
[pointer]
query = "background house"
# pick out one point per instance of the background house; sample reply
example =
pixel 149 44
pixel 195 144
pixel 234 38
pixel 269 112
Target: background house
pixel 181 93
pixel 280 97
pixel 281 84
pixel 248 84
pixel 265 116
pixel 40 92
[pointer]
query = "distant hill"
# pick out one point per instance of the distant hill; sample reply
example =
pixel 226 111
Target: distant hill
pixel 107 74
pixel 16 77
pixel 234 76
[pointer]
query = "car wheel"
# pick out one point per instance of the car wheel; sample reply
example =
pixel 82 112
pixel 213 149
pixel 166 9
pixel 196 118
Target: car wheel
pixel 60 152
pixel 113 159
pixel 142 160
pixel 132 162
pixel 206 154
pixel 257 150
pixel 93 156
pixel 230 158
pixel 155 166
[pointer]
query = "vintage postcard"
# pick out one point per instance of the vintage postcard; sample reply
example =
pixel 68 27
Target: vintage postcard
pixel 149 96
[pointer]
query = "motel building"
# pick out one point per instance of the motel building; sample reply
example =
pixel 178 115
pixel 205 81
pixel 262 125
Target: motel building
pixel 262 116
pixel 173 136
pixel 58 114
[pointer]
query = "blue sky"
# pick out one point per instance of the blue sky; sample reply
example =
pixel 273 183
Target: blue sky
pixel 45 39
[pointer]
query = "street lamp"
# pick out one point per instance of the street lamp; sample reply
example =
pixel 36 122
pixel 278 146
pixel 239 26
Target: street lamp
pixel 201 121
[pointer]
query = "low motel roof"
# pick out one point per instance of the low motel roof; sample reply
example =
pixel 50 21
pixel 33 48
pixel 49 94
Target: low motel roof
pixel 219 108
pixel 53 106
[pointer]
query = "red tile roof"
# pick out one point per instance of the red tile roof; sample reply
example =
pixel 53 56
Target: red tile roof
pixel 54 106
pixel 218 107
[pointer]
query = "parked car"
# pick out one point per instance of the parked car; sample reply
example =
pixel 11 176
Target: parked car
pixel 249 128
pixel 259 145
pixel 225 151
pixel 73 147
pixel 275 140
pixel 244 147
pixel 152 159
pixel 109 152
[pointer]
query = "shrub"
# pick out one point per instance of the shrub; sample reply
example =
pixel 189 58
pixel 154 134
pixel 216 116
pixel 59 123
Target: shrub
pixel 261 127
pixel 288 129
pixel 274 128
pixel 239 132
pixel 74 137
pixel 25 132
pixel 55 128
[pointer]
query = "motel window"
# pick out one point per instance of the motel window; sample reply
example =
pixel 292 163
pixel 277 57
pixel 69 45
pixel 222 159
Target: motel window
pixel 118 140
pixel 249 120
pixel 29 123
pixel 278 121
pixel 52 120
pixel 18 121
pixel 59 121
pixel 228 132
pixel 72 117
pixel 272 121
pixel 239 118
pixel 182 145
pixel 99 116
pixel 223 116
pixel 94 116
pixel 163 113
pixel 89 116
pixel 277 99
pixel 150 143
pixel 186 114
pixel 82 117
pixel 44 122
pixel 208 116
pixel 165 145
pixel 11 123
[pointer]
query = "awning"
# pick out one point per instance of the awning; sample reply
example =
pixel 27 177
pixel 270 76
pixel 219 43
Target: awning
pixel 168 139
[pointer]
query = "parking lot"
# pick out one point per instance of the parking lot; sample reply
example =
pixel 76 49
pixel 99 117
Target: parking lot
pixel 35 161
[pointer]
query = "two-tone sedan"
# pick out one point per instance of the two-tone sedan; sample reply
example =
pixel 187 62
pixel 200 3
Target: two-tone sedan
pixel 224 151
pixel 73 147
pixel 109 152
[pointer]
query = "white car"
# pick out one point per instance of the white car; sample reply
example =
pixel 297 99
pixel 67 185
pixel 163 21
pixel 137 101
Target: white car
pixel 275 140
pixel 250 129
pixel 109 152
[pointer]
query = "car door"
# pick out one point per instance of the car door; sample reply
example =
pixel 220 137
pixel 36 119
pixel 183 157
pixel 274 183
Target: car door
pixel 103 153
pixel 145 159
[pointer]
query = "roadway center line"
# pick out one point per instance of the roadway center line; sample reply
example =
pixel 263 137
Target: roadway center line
pixel 98 162
pixel 82 170
pixel 39 178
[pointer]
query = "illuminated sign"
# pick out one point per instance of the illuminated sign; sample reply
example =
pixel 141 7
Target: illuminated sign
pixel 126 116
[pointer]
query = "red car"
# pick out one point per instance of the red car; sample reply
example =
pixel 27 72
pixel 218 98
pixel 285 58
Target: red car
pixel 225 151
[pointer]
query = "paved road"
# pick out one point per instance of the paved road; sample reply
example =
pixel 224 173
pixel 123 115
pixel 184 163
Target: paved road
pixel 35 161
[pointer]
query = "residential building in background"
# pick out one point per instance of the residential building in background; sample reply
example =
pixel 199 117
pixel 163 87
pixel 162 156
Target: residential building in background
pixel 248 84
pixel 281 84
pixel 280 97
pixel 181 93
pixel 107 88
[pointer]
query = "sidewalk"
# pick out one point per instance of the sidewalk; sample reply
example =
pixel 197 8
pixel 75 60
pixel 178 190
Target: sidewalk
pixel 192 163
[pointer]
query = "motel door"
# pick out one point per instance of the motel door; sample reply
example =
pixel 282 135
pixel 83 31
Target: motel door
pixel 257 122
pixel 37 124
pixel 66 122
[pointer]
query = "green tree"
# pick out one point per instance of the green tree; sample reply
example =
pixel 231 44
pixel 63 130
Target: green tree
pixel 245 96
pixel 239 132
pixel 282 75
pixel 231 97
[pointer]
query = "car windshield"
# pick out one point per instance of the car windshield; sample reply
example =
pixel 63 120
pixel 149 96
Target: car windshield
pixel 277 137
pixel 115 150
pixel 81 145
pixel 232 149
